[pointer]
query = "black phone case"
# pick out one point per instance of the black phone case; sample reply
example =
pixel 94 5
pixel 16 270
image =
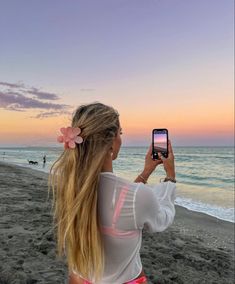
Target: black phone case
pixel 154 154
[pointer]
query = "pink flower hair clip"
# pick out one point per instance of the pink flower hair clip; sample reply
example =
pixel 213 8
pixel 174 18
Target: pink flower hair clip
pixel 70 137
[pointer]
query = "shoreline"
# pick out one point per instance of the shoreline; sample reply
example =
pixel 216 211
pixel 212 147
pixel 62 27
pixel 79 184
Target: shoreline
pixel 180 205
pixel 196 247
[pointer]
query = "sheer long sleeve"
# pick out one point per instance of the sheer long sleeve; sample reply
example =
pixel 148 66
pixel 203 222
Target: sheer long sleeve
pixel 154 206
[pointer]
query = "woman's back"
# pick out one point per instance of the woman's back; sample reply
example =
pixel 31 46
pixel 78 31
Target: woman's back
pixel 122 214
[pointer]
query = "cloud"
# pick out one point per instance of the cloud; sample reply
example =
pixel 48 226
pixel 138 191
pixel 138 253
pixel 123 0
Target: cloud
pixel 42 95
pixel 16 99
pixel 51 113
pixel 19 85
pixel 8 99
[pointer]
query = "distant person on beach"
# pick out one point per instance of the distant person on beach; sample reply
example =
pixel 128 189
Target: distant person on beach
pixel 99 216
pixel 44 160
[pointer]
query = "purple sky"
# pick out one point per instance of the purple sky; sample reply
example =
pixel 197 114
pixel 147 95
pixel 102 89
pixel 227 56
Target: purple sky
pixel 123 53
pixel 85 42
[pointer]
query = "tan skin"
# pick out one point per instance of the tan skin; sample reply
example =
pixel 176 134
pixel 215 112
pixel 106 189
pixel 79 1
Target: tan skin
pixel 149 166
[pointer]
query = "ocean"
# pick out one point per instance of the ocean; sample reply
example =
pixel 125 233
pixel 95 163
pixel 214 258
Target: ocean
pixel 205 175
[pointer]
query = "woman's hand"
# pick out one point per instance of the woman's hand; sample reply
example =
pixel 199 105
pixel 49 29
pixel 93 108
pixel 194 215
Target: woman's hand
pixel 168 163
pixel 149 166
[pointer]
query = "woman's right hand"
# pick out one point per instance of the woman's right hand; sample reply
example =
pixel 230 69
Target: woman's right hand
pixel 168 163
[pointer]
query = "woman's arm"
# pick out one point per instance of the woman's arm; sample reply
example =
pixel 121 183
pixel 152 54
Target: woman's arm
pixel 143 177
pixel 154 206
pixel 149 167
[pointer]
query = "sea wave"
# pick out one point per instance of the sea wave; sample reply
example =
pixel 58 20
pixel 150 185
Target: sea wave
pixel 226 214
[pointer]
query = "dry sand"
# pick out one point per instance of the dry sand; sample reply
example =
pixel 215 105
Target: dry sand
pixel 196 249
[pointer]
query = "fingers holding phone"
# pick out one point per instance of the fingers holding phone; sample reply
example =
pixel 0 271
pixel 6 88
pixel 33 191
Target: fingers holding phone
pixel 170 150
pixel 168 163
pixel 160 152
pixel 150 163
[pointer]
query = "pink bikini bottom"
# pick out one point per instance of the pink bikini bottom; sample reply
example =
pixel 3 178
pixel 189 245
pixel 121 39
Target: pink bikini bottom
pixel 141 279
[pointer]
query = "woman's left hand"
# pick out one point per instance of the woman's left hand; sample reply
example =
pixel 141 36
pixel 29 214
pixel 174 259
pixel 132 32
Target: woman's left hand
pixel 150 164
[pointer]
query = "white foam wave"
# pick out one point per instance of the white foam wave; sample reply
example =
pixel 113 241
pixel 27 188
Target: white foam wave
pixel 226 214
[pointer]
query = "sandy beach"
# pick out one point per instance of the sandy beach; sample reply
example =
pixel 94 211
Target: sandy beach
pixel 197 248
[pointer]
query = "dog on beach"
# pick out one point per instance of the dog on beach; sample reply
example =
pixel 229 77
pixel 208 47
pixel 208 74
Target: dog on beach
pixel 33 162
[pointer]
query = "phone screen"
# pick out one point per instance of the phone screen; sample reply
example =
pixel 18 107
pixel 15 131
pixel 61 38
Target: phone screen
pixel 160 142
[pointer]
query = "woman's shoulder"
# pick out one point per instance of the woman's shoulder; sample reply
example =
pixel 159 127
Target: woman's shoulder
pixel 122 181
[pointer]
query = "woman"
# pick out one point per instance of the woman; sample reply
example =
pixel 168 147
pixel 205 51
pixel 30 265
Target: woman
pixel 99 216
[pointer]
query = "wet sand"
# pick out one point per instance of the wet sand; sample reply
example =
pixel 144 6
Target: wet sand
pixel 197 248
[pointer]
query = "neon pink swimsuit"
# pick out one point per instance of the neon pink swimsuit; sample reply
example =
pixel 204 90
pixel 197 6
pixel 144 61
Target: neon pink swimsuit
pixel 138 206
pixel 141 279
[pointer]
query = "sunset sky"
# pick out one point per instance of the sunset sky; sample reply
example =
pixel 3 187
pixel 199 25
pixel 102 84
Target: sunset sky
pixel 160 138
pixel 160 63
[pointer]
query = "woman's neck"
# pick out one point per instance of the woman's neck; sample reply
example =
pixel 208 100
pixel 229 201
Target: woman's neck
pixel 108 165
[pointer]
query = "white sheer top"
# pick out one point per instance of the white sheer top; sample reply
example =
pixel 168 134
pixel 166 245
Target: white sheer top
pixel 125 208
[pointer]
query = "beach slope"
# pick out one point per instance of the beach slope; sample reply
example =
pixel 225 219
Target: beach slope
pixel 197 248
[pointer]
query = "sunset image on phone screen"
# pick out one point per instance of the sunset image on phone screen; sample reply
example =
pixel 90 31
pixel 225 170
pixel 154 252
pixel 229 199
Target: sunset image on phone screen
pixel 160 142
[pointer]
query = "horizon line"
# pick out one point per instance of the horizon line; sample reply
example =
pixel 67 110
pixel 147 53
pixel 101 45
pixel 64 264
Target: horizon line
pixel 124 146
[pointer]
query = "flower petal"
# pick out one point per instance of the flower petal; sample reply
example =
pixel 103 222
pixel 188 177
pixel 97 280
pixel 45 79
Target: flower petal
pixel 76 131
pixel 78 139
pixel 60 139
pixel 67 138
pixel 70 132
pixel 72 144
pixel 63 130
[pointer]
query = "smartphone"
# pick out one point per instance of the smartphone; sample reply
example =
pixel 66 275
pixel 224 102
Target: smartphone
pixel 159 142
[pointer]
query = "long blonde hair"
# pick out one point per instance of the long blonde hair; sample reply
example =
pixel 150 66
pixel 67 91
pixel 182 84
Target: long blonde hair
pixel 74 178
